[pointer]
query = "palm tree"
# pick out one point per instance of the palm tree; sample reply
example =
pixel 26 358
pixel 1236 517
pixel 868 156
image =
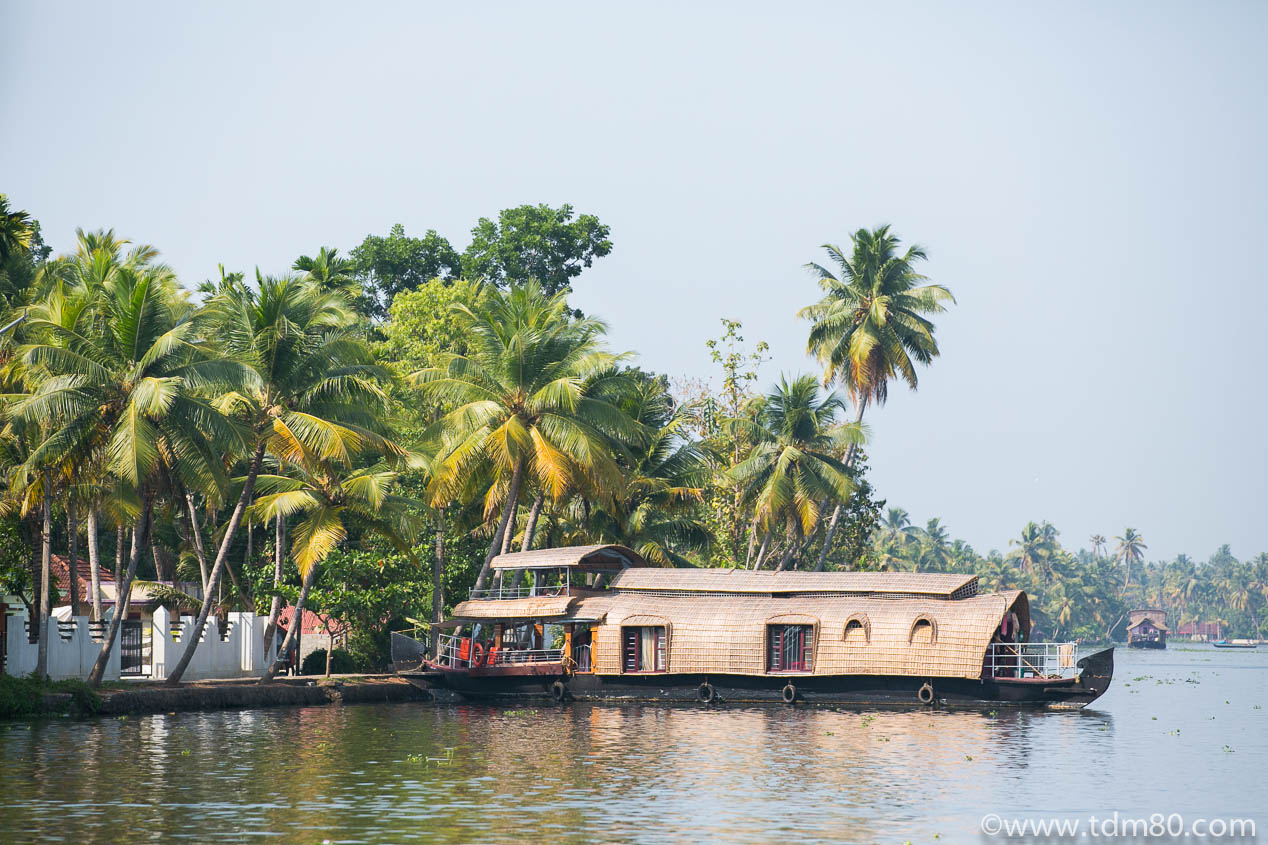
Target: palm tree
pixel 1098 544
pixel 15 230
pixel 1035 549
pixel 871 326
pixel 331 272
pixel 793 466
pixel 532 398
pixel 120 375
pixel 655 510
pixel 1130 550
pixel 312 396
pixel 329 499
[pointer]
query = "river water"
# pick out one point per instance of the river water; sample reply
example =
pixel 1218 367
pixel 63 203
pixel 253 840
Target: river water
pixel 1183 732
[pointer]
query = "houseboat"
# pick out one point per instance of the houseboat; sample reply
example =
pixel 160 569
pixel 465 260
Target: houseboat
pixel 595 623
pixel 1147 628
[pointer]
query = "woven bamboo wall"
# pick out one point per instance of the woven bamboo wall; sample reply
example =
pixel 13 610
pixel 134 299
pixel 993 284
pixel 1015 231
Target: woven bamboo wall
pixel 727 634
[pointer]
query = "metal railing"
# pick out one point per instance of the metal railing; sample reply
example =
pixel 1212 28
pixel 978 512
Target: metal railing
pixel 502 587
pixel 457 652
pixel 1031 660
pixel 520 592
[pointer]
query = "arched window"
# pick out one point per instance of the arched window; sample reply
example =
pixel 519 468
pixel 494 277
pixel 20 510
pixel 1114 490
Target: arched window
pixel 858 630
pixel 924 631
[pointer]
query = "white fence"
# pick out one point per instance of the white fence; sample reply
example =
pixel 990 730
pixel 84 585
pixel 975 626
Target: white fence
pixel 233 651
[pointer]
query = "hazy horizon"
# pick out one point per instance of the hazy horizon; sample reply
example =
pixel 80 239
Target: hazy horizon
pixel 1088 180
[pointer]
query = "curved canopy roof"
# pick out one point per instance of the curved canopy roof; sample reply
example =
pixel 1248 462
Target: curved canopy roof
pixel 602 558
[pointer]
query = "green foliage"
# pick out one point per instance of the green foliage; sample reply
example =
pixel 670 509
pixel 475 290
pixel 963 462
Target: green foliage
pixel 341 663
pixel 24 696
pixel 388 266
pixel 535 243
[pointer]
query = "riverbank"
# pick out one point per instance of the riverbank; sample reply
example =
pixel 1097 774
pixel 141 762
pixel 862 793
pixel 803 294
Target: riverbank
pixel 140 697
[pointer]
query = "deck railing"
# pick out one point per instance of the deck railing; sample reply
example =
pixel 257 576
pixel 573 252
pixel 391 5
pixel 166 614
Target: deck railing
pixel 520 592
pixel 456 652
pixel 1031 660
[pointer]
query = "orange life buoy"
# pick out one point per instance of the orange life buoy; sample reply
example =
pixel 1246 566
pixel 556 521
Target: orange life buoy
pixel 478 654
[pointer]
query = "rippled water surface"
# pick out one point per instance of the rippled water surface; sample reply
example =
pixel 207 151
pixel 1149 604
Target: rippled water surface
pixel 1183 731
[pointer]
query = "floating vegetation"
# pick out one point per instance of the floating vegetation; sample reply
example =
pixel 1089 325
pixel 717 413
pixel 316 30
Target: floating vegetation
pixel 867 720
pixel 1228 750
pixel 968 757
pixel 519 712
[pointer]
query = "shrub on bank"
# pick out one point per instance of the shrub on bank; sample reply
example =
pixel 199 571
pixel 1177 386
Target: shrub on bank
pixel 341 663
pixel 25 696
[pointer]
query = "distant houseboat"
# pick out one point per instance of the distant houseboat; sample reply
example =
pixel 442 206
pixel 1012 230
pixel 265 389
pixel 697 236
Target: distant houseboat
pixel 1147 628
pixel 595 622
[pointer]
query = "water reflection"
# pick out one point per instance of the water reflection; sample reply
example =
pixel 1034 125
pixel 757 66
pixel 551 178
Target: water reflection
pixel 641 773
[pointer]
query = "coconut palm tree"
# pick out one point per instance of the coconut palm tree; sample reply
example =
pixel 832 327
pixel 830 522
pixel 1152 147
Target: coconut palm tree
pixel 1098 544
pixel 531 398
pixel 1035 549
pixel 120 373
pixel 313 394
pixel 327 499
pixel 15 230
pixel 1130 550
pixel 655 510
pixel 793 465
pixel 331 272
pixel 872 324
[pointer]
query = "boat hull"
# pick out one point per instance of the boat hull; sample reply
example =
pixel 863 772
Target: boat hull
pixel 1094 678
pixel 1155 644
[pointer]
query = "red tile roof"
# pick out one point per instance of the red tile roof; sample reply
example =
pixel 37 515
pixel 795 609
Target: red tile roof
pixel 312 622
pixel 59 571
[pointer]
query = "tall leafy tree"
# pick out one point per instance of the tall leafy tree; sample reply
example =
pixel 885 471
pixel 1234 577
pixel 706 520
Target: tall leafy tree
pixel 327 499
pixel 793 466
pixel 872 325
pixel 535 243
pixel 313 394
pixel 1131 550
pixel 531 400
pixel 121 371
pixel 391 264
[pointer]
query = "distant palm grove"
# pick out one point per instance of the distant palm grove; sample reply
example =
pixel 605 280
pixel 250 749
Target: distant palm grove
pixel 361 434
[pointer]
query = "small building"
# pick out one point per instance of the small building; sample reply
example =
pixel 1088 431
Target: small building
pixel 1200 631
pixel 1147 628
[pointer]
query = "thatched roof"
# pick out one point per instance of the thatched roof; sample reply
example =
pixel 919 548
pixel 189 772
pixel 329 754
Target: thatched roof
pixel 727 633
pixel 533 607
pixel 608 557
pixel 742 581
pixel 1149 621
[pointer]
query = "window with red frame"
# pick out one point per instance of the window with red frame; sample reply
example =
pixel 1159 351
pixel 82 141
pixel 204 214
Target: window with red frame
pixel 789 648
pixel 643 648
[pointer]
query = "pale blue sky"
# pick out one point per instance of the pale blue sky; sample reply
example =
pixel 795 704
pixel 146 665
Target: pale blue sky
pixel 1089 179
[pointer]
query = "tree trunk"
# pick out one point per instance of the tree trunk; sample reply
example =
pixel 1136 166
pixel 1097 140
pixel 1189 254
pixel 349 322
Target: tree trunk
pixel 94 563
pixel 297 622
pixel 512 497
pixel 508 536
pixel 72 568
pixel 46 603
pixel 761 552
pixel 123 593
pixel 794 546
pixel 275 607
pixel 752 543
pixel 827 540
pixel 34 537
pixel 438 583
pixel 331 650
pixel 530 527
pixel 850 452
pixel 120 535
pixel 222 556
pixel 198 541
